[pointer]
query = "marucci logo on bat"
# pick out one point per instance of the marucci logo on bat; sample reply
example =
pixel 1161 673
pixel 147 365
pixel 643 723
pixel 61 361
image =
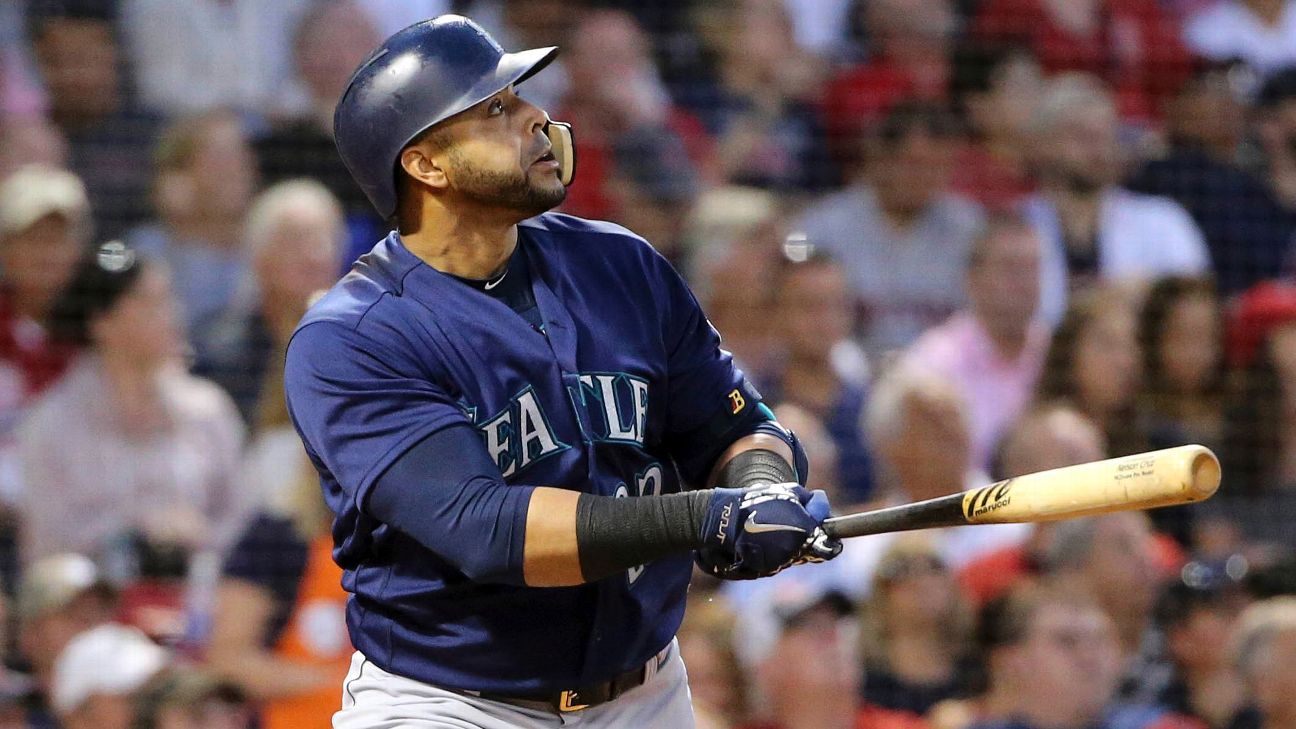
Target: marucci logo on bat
pixel 987 499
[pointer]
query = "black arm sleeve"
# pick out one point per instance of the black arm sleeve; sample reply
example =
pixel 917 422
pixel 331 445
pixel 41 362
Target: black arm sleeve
pixel 754 467
pixel 447 494
pixel 616 534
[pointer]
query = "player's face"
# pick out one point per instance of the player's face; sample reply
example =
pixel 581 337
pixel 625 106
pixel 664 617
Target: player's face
pixel 498 156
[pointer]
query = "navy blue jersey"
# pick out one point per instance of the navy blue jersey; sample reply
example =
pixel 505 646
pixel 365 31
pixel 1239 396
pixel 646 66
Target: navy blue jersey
pixel 622 390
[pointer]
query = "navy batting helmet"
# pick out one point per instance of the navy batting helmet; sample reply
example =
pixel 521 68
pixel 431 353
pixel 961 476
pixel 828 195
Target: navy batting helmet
pixel 420 76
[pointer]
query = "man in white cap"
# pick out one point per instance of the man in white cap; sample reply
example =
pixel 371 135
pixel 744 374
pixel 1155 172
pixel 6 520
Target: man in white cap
pixel 45 225
pixel 99 675
pixel 59 597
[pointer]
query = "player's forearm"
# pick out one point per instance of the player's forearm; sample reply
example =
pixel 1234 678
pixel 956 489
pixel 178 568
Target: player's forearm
pixel 573 538
pixel 755 441
pixel 551 555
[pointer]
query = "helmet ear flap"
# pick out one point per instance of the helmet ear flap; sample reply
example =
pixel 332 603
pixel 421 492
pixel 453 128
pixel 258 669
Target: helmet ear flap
pixel 564 149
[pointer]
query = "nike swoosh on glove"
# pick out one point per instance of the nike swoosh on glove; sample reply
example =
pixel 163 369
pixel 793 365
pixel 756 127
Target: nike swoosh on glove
pixel 757 532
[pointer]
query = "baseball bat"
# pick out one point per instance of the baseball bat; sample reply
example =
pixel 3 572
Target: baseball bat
pixel 1142 481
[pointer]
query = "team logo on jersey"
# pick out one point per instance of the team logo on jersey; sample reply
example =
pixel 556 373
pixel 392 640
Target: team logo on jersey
pixel 613 407
pixel 520 434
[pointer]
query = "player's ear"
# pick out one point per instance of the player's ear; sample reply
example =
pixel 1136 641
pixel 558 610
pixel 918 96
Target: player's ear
pixel 423 167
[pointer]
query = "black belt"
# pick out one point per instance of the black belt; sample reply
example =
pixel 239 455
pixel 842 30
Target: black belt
pixel 583 698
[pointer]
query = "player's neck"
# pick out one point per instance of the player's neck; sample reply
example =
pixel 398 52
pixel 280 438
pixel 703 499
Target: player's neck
pixel 468 246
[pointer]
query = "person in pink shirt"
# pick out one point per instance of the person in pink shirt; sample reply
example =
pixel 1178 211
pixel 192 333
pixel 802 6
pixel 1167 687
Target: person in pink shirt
pixel 993 350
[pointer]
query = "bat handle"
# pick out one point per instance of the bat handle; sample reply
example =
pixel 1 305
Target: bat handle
pixel 938 512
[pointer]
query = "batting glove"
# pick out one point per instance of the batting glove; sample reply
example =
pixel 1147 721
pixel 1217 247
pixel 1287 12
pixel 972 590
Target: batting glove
pixel 759 531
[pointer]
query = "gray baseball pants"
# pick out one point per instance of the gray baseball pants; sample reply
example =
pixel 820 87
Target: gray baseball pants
pixel 375 699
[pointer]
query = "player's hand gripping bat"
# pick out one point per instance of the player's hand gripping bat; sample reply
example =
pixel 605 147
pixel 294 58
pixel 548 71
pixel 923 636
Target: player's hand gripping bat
pixel 1159 478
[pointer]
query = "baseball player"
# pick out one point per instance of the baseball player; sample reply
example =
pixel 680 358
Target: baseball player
pixel 484 390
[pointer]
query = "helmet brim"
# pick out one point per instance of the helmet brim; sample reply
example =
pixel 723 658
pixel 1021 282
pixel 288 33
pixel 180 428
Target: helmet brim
pixel 513 69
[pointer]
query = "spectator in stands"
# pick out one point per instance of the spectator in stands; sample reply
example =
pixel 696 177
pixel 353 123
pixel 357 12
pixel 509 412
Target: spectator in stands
pixel 900 236
pixel 917 630
pixel 108 137
pixel 808 677
pixel 716 680
pixel 917 425
pixel 640 154
pixel 1182 336
pixel 1052 661
pixel 45 227
pixel 1094 365
pixel 1246 229
pixel 993 350
pixel 1181 333
pixel 1276 134
pixel 30 140
pixel 329 42
pixel 821 452
pixel 127 441
pixel 909 44
pixel 20 93
pixel 1264 650
pixel 1260 420
pixel 206 176
pixel 1261 33
pixel 58 597
pixel 1112 559
pixel 187 698
pixel 758 98
pixel 995 87
pixel 279 629
pixel 1092 228
pixel 813 319
pixel 294 231
pixel 737 251
pixel 1133 45
pixel 1197 617
pixel 195 56
pixel 99 676
pixel 1046 436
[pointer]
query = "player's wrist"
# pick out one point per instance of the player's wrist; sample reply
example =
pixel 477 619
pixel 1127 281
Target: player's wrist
pixel 615 534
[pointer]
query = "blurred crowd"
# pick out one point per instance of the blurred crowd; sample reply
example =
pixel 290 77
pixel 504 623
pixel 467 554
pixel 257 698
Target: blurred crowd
pixel 951 241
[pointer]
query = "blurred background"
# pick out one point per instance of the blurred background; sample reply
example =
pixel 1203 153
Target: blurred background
pixel 950 240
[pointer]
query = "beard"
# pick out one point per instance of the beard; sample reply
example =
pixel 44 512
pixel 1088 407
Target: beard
pixel 509 190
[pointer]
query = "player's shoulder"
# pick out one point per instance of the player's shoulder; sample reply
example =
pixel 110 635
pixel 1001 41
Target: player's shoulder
pixel 360 304
pixel 374 277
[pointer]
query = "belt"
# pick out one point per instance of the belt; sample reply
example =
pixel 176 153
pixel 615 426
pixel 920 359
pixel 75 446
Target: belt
pixel 569 700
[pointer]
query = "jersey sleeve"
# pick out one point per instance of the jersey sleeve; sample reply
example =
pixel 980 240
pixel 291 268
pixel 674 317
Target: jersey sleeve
pixel 360 403
pixel 711 403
